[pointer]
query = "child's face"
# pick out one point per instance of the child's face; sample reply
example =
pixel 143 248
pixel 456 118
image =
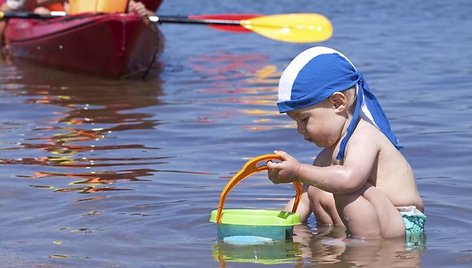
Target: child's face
pixel 320 124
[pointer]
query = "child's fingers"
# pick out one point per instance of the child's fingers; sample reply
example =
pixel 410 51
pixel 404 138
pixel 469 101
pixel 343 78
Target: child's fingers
pixel 276 164
pixel 282 154
pixel 271 165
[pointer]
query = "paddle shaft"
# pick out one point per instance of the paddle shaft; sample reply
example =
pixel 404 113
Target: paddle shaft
pixel 26 15
pixel 186 20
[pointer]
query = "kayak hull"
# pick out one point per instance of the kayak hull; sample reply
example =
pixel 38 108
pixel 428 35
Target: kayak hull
pixel 112 45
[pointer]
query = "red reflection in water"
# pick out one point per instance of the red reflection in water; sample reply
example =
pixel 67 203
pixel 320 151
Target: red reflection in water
pixel 227 63
pixel 259 77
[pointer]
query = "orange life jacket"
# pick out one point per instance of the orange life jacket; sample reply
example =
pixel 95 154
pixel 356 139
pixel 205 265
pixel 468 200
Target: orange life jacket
pixel 56 7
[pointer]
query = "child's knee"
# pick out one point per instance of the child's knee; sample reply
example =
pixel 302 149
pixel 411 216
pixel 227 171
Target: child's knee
pixel 320 197
pixel 324 207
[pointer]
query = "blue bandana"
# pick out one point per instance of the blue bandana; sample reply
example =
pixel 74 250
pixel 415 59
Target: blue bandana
pixel 315 74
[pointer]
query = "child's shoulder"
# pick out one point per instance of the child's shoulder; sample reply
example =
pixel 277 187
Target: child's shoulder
pixel 366 130
pixel 367 135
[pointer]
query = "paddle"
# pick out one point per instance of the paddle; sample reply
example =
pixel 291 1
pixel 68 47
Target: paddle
pixel 295 28
pixel 28 15
pixel 229 28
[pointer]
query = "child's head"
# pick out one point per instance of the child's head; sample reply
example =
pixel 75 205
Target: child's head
pixel 312 77
pixel 317 75
pixel 323 123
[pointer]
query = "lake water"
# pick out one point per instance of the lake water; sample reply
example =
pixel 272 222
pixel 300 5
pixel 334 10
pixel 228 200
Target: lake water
pixel 104 173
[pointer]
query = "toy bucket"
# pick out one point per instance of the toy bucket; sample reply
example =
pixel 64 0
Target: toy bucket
pixel 254 226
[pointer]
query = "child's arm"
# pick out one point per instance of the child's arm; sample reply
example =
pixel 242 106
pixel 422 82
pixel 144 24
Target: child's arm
pixel 359 162
pixel 139 8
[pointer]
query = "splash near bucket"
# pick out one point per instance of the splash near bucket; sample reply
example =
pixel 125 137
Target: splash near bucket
pixel 254 226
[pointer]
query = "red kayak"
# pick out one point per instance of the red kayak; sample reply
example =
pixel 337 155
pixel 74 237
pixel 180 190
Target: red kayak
pixel 114 45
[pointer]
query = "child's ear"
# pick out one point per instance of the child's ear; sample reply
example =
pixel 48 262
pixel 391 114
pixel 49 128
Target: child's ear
pixel 338 101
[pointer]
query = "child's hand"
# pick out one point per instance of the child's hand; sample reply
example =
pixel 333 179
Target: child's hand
pixel 137 8
pixel 284 171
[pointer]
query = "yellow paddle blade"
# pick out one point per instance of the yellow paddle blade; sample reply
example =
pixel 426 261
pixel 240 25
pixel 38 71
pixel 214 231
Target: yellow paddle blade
pixel 295 28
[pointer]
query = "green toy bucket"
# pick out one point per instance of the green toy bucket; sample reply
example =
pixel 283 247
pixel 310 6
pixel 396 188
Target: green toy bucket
pixel 254 226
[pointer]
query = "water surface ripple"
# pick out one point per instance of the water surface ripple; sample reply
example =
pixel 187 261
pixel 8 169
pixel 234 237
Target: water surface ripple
pixel 104 173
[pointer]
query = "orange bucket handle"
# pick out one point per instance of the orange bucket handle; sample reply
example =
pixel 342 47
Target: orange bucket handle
pixel 248 169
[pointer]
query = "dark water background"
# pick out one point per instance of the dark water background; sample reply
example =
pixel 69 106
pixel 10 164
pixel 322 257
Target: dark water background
pixel 103 173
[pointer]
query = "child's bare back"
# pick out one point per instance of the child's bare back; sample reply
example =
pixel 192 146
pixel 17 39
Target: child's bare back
pixel 391 172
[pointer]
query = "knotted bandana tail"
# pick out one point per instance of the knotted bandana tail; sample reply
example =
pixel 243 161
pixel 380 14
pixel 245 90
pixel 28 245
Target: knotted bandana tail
pixel 368 107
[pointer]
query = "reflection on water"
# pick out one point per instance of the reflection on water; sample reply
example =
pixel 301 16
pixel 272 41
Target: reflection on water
pixel 228 65
pixel 246 79
pixel 86 125
pixel 273 253
pixel 328 246
pixel 324 247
